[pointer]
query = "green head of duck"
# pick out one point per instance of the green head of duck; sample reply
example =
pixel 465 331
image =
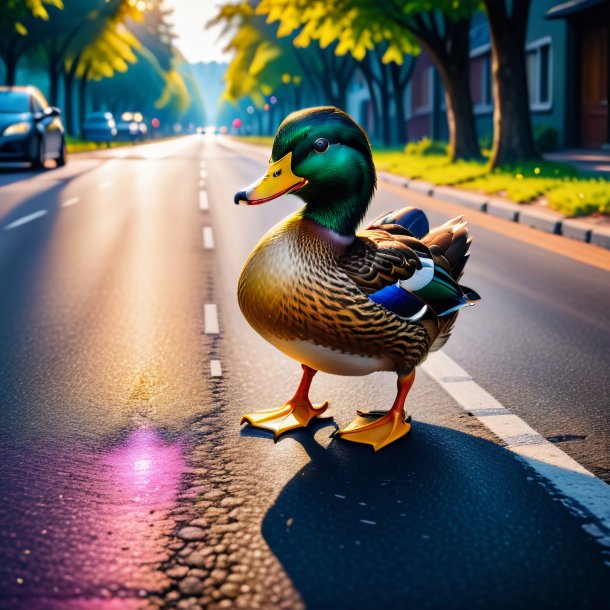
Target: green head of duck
pixel 324 157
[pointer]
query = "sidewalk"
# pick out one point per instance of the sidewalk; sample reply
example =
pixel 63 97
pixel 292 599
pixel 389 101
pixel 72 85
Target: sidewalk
pixel 594 161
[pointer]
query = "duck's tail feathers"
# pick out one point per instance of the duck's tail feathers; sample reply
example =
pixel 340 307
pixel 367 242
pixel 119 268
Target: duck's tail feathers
pixel 450 243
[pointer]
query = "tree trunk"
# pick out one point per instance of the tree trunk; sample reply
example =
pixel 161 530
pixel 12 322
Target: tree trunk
pixel 82 99
pixel 450 53
pixel 513 135
pixel 69 77
pixel 10 63
pixel 386 114
pixel 451 57
pixel 463 139
pixel 399 82
pixel 367 71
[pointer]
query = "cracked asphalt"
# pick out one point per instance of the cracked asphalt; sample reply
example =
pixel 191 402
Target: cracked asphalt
pixel 127 482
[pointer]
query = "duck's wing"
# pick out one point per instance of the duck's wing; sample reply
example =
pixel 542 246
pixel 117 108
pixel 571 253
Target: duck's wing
pixel 378 258
pixel 404 274
pixel 387 267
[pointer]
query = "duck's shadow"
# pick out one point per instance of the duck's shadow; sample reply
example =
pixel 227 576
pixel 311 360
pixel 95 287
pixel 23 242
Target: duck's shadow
pixel 439 519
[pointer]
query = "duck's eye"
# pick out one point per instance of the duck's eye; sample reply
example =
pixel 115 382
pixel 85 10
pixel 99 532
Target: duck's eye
pixel 321 145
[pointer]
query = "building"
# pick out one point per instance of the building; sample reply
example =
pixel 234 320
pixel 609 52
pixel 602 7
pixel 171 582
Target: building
pixel 567 60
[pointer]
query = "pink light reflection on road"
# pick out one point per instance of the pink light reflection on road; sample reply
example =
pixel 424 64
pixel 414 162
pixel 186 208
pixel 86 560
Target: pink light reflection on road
pixel 98 526
pixel 146 470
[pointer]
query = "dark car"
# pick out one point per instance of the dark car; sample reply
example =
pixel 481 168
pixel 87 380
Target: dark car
pixel 99 127
pixel 30 129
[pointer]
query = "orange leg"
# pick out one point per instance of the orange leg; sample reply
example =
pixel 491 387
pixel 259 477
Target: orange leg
pixel 384 428
pixel 296 413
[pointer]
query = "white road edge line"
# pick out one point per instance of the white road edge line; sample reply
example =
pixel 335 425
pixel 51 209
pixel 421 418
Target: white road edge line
pixel 208 238
pixel 203 201
pixel 215 368
pixel 69 202
pixel 106 184
pixel 210 319
pixel 24 219
pixel 584 494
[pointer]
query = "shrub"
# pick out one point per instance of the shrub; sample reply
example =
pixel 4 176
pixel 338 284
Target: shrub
pixel 426 146
pixel 546 138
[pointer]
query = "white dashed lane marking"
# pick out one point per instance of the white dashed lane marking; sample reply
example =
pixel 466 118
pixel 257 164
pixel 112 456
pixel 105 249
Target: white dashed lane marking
pixel 584 494
pixel 208 238
pixel 25 219
pixel 210 319
pixel 203 201
pixel 215 368
pixel 106 184
pixel 69 202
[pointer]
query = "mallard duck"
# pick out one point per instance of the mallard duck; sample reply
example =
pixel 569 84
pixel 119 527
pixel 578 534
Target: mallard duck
pixel 343 302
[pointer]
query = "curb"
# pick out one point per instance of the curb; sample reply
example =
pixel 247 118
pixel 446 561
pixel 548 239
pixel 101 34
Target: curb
pixel 543 220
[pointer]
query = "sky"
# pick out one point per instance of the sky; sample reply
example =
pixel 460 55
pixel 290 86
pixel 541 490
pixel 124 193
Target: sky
pixel 194 41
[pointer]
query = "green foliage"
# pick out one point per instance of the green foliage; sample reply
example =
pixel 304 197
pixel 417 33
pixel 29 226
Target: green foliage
pixel 579 197
pixel 76 145
pixel 546 138
pixel 257 140
pixel 426 147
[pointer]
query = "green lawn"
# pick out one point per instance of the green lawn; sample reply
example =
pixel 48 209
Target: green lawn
pixel 76 145
pixel 558 185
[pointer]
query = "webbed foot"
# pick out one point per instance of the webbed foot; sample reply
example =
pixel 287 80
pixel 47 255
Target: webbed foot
pixel 377 429
pixel 296 413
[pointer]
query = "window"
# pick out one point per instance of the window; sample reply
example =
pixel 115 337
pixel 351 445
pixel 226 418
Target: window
pixel 538 58
pixel 480 79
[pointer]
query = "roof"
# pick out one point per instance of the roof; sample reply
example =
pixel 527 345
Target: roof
pixel 567 9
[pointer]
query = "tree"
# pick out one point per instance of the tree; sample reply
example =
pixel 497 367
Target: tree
pixel 441 27
pixel 102 47
pixel 264 58
pixel 265 68
pixel 16 20
pixel 513 136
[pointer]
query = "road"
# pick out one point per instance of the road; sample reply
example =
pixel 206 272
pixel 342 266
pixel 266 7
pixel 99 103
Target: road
pixel 126 365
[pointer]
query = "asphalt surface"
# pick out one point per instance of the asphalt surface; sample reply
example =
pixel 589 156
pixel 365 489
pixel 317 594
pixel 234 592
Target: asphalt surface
pixel 126 481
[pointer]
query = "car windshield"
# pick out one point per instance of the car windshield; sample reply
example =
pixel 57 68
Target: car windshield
pixel 14 102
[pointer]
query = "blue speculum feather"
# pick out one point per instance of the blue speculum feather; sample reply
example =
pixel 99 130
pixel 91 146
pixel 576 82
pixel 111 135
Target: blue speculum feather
pixel 398 300
pixel 443 295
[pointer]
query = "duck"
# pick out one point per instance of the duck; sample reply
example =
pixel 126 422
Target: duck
pixel 339 300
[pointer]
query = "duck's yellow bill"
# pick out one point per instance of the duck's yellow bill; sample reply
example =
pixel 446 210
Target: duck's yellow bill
pixel 277 181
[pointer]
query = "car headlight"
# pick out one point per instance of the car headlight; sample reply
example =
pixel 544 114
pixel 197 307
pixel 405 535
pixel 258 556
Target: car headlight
pixel 16 128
